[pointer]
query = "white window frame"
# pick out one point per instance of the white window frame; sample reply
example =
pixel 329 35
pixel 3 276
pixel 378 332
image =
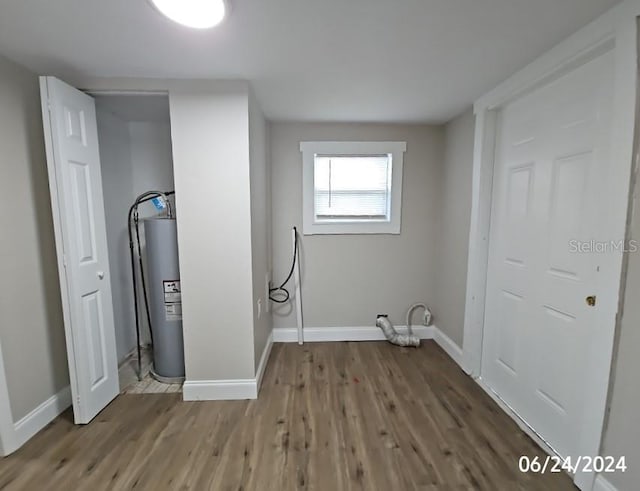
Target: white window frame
pixel 311 226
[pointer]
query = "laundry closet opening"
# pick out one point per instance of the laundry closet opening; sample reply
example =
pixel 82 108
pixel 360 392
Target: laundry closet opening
pixel 134 133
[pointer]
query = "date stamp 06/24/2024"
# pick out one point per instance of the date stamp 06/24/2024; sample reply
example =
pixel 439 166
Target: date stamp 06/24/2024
pixel 551 464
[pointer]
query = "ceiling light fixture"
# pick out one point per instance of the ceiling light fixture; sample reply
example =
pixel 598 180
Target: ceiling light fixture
pixel 199 14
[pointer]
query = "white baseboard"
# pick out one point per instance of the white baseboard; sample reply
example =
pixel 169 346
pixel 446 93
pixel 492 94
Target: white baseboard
pixel 229 390
pixel 522 424
pixel 220 390
pixel 449 346
pixel 264 359
pixel 367 333
pixel 601 484
pixel 334 334
pixel 32 423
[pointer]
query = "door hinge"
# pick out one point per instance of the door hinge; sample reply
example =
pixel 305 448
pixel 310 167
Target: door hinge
pixel 64 260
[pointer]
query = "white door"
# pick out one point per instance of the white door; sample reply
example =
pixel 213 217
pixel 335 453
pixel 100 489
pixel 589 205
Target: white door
pixel 551 155
pixel 75 183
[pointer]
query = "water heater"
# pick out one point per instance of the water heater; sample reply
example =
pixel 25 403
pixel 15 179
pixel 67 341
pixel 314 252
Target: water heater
pixel 165 299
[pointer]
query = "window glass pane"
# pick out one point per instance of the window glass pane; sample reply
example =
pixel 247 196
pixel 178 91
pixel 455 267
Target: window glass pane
pixel 352 187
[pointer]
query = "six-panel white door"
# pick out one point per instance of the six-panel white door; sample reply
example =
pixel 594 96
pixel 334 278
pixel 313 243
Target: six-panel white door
pixel 551 153
pixel 75 182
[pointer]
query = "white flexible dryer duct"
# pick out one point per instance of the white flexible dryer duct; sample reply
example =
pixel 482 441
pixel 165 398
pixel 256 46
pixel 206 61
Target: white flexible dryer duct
pixel 409 339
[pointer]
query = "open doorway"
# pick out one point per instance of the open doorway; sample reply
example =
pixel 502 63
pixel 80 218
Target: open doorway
pixel 134 133
pixel 104 179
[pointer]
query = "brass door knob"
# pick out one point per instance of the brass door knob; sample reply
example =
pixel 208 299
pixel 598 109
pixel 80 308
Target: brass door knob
pixel 591 301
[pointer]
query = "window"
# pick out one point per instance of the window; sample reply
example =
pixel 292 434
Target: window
pixel 352 187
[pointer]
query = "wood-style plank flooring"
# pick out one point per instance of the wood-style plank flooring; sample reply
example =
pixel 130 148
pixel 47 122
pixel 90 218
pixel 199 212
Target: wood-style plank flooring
pixel 338 416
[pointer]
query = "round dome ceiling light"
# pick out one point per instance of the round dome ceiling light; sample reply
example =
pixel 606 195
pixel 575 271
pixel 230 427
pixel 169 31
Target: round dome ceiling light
pixel 199 14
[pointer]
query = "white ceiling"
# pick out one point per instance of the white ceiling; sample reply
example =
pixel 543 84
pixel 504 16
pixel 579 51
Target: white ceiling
pixel 322 60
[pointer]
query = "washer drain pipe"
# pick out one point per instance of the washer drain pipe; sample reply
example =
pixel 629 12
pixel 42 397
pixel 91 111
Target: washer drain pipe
pixel 409 339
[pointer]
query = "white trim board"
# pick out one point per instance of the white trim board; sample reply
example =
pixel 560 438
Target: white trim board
pixel 229 390
pixel 7 433
pixel 615 30
pixel 392 222
pixel 368 333
pixel 220 390
pixel 335 334
pixel 28 426
pixel 522 424
pixel 450 347
pixel 14 435
pixel 264 359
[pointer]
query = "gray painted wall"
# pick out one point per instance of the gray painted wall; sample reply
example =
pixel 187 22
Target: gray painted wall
pixel 151 158
pixel 453 229
pixel 260 225
pixel 31 325
pixel 348 279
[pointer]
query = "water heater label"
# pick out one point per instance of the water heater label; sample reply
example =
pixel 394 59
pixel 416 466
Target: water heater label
pixel 173 311
pixel 159 203
pixel 172 300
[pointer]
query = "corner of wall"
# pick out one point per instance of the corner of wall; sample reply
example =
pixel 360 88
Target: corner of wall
pixel 210 141
pixel 453 227
pixel 260 226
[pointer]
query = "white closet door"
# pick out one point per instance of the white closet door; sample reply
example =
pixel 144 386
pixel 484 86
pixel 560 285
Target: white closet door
pixel 76 191
pixel 552 151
